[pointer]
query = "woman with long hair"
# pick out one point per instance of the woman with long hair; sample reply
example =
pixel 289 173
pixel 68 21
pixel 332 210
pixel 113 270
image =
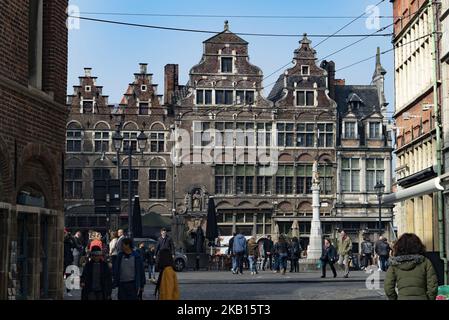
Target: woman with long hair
pixel 167 282
pixel 410 271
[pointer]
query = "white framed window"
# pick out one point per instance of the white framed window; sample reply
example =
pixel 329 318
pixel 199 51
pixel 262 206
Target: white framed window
pixel 285 134
pixel 129 139
pixel 374 130
pixel 305 70
pixel 350 174
pixel 201 134
pixel 305 98
pixel 73 140
pixel 350 129
pixel 158 181
pixel 374 172
pixel 325 135
pixel 224 97
pixel 203 96
pixel 305 133
pixel 226 64
pixel 244 97
pixel 88 88
pixel 101 141
pixel 143 87
pixel 157 142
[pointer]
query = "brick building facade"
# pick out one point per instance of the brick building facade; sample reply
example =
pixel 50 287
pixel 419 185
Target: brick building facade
pixel 253 154
pixel 33 63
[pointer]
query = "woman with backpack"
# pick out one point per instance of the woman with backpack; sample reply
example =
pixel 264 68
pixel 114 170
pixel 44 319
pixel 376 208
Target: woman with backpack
pixel 329 256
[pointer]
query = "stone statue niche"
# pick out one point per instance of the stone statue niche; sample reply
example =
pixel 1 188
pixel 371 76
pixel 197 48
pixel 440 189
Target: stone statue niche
pixel 198 200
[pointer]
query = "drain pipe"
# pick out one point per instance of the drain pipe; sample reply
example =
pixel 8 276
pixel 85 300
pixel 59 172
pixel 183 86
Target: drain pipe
pixel 436 109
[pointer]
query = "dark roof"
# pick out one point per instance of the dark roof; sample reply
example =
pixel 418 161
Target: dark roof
pixel 275 93
pixel 226 37
pixel 366 93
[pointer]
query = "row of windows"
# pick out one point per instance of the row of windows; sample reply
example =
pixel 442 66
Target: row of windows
pixel 260 134
pixel 351 132
pixel 226 97
pixel 102 141
pixel 157 182
pixel 289 179
pixel 304 98
pixel 88 107
pixel 350 173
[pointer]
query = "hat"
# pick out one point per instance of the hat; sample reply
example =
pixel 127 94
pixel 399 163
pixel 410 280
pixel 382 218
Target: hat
pixel 96 251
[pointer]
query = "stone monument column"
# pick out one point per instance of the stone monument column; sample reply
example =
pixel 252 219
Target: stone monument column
pixel 315 241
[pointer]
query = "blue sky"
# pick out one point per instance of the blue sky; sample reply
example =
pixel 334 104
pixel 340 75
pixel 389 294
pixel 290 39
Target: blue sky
pixel 114 51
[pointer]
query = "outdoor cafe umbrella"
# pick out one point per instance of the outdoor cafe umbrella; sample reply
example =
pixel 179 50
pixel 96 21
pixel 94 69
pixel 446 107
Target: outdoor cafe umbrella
pixel 295 229
pixel 211 227
pixel 136 219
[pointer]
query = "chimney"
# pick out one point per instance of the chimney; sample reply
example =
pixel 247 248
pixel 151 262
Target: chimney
pixel 340 82
pixel 143 68
pixel 88 72
pixel 170 82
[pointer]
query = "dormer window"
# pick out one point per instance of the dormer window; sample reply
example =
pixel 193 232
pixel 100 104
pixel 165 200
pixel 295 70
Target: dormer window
pixel 305 98
pixel 305 71
pixel 226 64
pixel 374 130
pixel 143 88
pixel 88 88
pixel 350 130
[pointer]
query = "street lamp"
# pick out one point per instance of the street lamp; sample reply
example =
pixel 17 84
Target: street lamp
pixel 142 141
pixel 379 187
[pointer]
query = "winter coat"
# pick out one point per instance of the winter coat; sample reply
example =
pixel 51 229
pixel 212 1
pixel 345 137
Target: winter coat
pixel 253 248
pixel 105 281
pixel 329 254
pixel 268 245
pixel 165 243
pixel 69 245
pixel 414 276
pixel 295 250
pixel 367 247
pixel 281 247
pixel 139 273
pixel 382 248
pixel 169 289
pixel 239 244
pixel 344 246
pixel 149 257
pixel 95 242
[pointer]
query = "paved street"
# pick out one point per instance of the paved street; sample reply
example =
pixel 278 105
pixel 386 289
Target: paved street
pixel 205 285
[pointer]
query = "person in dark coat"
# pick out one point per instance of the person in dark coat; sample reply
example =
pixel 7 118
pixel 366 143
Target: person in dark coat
pixel 69 246
pixel 151 261
pixel 382 249
pixel 96 280
pixel 165 242
pixel 367 253
pixel 295 253
pixel 329 256
pixel 129 273
pixel 231 253
pixel 268 252
pixel 281 249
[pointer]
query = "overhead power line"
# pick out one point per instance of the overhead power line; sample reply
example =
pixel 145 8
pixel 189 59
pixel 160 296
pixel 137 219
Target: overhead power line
pixel 383 52
pixel 215 32
pixel 236 16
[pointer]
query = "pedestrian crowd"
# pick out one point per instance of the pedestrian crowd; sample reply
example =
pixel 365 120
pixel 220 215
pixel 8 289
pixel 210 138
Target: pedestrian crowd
pixel 114 261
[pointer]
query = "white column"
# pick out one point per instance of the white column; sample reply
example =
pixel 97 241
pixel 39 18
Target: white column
pixel 388 177
pixel 338 177
pixel 364 196
pixel 314 250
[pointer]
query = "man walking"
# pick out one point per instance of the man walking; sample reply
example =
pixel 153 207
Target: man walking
pixel 367 253
pixel 165 242
pixel 78 250
pixel 239 249
pixel 344 249
pixel 129 274
pixel 268 252
pixel 231 253
pixel 118 244
pixel 382 249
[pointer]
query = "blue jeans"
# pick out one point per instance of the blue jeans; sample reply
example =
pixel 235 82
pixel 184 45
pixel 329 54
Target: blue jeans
pixel 151 271
pixel 234 263
pixel 283 260
pixel 383 262
pixel 276 262
pixel 252 263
